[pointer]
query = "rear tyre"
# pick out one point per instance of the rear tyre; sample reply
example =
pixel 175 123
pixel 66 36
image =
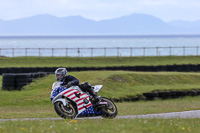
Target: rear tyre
pixel 65 112
pixel 109 110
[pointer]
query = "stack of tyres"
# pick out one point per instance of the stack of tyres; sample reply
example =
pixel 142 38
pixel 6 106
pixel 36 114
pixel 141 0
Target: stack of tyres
pixel 3 70
pixel 38 75
pixel 17 81
pixel 8 82
pixel 42 74
pixel 22 80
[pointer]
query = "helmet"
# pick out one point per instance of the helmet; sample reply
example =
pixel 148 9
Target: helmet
pixel 60 73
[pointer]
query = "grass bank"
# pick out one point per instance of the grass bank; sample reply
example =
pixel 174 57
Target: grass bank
pixel 104 126
pixel 35 96
pixel 116 84
pixel 95 61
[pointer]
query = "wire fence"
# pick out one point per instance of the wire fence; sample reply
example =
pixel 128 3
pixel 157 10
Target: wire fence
pixel 101 52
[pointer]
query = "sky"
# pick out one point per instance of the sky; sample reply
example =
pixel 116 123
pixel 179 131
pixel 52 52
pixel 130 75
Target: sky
pixel 167 10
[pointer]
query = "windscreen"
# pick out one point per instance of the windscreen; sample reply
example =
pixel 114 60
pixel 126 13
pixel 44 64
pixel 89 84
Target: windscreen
pixel 55 85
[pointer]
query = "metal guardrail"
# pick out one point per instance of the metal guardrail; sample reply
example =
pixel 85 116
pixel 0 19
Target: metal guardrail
pixel 102 52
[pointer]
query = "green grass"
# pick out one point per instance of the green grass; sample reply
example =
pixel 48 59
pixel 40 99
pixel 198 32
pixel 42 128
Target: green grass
pixel 0 81
pixel 33 102
pixel 159 106
pixel 122 84
pixel 116 84
pixel 126 84
pixel 104 126
pixel 125 108
pixel 96 61
pixel 35 96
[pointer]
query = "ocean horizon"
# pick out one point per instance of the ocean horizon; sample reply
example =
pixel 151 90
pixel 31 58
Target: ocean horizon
pixel 99 36
pixel 95 45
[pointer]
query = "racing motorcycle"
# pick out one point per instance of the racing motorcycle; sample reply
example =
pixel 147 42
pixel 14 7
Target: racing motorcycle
pixel 70 103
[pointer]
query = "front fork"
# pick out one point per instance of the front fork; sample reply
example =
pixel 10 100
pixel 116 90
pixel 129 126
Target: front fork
pixel 61 99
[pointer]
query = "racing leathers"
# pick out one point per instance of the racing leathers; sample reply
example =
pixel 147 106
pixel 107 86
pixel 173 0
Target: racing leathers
pixel 69 81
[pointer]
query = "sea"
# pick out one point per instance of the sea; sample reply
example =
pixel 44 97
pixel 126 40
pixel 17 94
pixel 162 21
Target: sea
pixel 93 46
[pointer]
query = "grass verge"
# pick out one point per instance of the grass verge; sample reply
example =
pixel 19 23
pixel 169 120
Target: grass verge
pixel 104 126
pixel 95 61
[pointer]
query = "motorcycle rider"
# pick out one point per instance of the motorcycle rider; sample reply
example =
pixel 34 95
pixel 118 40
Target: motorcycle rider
pixel 68 81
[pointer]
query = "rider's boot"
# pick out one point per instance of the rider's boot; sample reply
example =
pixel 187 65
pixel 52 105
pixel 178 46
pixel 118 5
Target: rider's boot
pixel 95 96
pixel 96 99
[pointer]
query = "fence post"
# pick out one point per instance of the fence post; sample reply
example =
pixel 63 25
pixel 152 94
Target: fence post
pixel 66 51
pixel 26 52
pixel 117 51
pixel 78 52
pixel 143 51
pixel 131 52
pixel 104 52
pixel 52 52
pixel 91 52
pixel 13 50
pixel 39 52
pixel 157 51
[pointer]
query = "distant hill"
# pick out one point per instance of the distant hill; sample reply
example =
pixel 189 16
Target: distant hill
pixel 186 26
pixel 76 25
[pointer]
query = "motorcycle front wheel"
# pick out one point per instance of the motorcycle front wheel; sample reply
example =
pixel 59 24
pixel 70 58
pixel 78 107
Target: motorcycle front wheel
pixel 66 112
pixel 109 110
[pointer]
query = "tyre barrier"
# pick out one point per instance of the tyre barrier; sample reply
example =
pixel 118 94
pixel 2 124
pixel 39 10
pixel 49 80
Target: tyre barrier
pixel 178 68
pixel 171 94
pixel 11 81
pixel 160 95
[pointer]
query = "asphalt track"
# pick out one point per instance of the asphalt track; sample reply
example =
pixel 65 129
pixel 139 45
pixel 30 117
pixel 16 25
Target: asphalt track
pixel 184 114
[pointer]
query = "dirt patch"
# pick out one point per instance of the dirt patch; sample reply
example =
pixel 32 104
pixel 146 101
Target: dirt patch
pixel 118 78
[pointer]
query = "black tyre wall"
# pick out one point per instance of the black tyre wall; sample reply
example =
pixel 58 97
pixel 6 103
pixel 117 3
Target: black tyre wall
pixel 179 68
pixel 8 82
pixel 15 81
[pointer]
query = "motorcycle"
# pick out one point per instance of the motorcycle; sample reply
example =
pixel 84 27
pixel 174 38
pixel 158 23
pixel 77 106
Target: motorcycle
pixel 70 103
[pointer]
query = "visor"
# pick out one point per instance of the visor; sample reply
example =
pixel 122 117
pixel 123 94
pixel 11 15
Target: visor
pixel 58 75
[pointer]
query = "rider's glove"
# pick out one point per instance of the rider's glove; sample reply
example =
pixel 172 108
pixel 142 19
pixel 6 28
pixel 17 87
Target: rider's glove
pixel 71 83
pixel 63 84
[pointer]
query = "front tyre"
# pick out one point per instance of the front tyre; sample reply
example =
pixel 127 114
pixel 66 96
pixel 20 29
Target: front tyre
pixel 66 112
pixel 109 110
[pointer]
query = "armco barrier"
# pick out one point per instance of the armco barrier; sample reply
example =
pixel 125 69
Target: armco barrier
pixel 13 81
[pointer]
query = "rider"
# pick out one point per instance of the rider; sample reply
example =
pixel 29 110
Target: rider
pixel 68 81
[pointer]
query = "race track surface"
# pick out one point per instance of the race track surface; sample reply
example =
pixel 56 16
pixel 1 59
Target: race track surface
pixel 185 114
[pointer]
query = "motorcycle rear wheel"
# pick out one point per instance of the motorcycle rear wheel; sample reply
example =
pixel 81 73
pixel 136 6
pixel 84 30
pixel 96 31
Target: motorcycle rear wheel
pixel 109 110
pixel 65 112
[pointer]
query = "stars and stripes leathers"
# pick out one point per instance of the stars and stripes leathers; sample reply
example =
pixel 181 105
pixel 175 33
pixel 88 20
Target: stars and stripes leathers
pixel 78 99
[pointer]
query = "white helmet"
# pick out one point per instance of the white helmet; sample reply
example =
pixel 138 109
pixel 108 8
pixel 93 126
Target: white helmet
pixel 60 73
